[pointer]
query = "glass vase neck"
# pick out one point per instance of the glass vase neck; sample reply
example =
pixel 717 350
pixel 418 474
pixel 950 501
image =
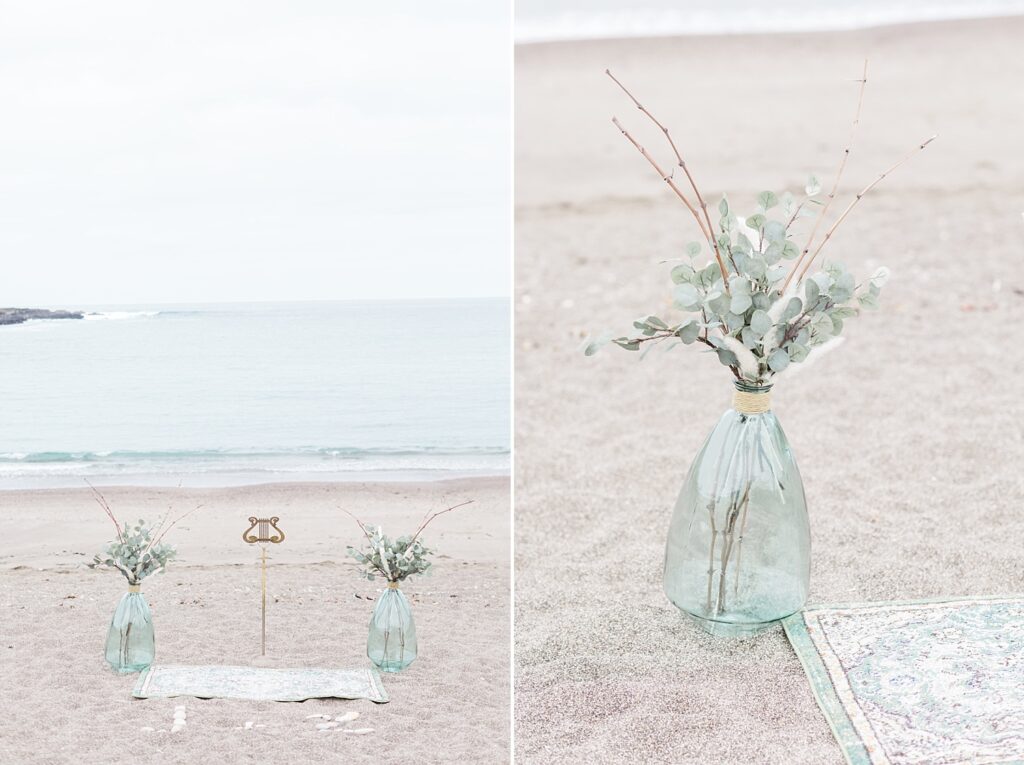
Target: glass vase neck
pixel 745 386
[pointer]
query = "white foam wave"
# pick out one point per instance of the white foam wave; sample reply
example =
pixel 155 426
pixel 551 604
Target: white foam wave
pixel 119 315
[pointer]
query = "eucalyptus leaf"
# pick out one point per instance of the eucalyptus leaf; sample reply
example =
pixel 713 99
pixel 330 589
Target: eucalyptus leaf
pixel 811 292
pixel 756 222
pixel 688 331
pixel 792 309
pixel 760 323
pixel 767 200
pixel 683 274
pixel 740 303
pixel 778 360
pixel 797 352
pixel 686 297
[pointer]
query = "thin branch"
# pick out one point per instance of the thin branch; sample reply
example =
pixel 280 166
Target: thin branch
pixel 665 177
pixel 835 185
pixel 708 232
pixel 161 534
pixel 362 526
pixel 432 517
pixel 796 213
pixel 856 199
pixel 102 502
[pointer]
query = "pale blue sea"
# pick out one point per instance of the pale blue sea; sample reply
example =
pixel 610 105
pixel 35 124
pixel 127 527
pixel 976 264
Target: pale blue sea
pixel 233 394
pixel 545 20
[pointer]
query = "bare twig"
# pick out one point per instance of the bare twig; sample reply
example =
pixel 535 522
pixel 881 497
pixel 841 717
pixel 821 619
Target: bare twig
pixel 102 502
pixel 430 518
pixel 856 199
pixel 710 231
pixel 665 177
pixel 835 184
pixel 161 533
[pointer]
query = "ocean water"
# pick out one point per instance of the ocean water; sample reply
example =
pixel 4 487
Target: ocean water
pixel 545 20
pixel 233 394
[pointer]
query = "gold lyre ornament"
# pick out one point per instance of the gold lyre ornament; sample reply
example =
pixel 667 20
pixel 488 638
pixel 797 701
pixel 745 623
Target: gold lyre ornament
pixel 266 531
pixel 261 531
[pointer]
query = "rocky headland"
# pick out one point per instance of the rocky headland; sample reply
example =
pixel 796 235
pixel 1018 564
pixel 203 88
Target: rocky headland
pixel 21 315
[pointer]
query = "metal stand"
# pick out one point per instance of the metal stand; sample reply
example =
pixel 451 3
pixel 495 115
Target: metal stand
pixel 266 530
pixel 263 600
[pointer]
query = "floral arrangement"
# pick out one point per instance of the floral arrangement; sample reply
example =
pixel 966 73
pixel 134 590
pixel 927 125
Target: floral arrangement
pixel 138 550
pixel 395 559
pixel 756 302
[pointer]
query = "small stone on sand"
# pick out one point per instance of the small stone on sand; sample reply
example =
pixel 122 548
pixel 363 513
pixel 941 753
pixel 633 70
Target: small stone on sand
pixel 347 717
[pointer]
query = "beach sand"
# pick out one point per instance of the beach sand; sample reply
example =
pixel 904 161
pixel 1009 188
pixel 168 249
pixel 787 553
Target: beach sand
pixel 60 702
pixel 908 437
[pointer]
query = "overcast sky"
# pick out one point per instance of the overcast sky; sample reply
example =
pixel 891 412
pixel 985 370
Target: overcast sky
pixel 220 151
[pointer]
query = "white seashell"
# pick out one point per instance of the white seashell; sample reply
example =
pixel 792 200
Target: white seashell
pixel 318 717
pixel 347 717
pixel 177 728
pixel 326 725
pixel 146 729
pixel 248 724
pixel 359 731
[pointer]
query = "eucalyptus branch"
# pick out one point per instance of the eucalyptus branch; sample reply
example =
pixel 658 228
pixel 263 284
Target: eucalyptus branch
pixel 835 184
pixel 682 163
pixel 856 199
pixel 394 559
pixel 765 318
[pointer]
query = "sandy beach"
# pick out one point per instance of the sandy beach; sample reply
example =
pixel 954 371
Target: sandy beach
pixel 59 701
pixel 908 437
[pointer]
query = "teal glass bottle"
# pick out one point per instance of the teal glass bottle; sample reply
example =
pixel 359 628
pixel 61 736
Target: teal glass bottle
pixel 738 552
pixel 391 644
pixel 131 642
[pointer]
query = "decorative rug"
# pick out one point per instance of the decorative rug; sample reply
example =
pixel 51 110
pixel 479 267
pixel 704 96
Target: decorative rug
pixel 937 682
pixel 259 683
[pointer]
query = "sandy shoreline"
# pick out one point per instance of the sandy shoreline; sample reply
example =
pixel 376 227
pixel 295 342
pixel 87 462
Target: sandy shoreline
pixel 908 437
pixel 61 704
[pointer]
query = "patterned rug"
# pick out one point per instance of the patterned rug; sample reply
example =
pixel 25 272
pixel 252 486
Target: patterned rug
pixel 936 682
pixel 259 683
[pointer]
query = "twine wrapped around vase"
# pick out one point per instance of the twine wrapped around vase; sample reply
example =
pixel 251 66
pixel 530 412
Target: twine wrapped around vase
pixel 392 585
pixel 746 402
pixel 134 587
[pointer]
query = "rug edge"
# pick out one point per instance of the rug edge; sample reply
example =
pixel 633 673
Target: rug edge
pixel 849 742
pixel 139 691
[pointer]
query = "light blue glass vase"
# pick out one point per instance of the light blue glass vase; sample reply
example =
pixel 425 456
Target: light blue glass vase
pixel 131 642
pixel 738 553
pixel 391 644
